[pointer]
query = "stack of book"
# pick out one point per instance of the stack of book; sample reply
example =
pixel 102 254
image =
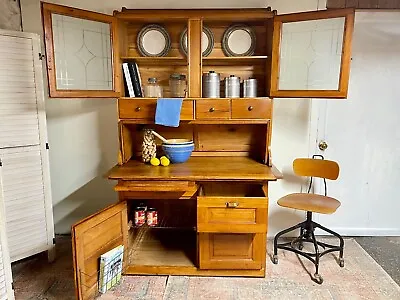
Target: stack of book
pixel 133 83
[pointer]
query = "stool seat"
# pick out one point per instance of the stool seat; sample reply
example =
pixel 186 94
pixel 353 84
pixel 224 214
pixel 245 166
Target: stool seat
pixel 310 202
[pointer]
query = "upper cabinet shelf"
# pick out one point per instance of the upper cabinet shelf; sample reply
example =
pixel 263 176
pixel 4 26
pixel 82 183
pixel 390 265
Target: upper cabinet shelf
pixel 166 60
pixel 238 60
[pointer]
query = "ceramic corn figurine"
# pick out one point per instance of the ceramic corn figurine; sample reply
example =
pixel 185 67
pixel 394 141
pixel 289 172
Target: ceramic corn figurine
pixel 149 149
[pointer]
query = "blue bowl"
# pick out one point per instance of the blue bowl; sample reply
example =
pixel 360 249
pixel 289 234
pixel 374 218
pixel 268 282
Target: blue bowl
pixel 178 153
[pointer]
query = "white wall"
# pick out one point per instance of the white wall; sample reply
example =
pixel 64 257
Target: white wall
pixel 83 133
pixel 10 15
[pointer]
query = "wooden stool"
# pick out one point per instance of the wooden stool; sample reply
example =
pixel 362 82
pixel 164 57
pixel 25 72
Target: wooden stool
pixel 310 203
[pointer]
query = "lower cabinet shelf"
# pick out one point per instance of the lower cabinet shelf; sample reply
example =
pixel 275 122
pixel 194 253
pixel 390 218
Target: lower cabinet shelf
pixel 161 247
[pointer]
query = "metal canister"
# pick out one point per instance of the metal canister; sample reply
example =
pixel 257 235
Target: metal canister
pixel 140 216
pixel 152 217
pixel 232 87
pixel 211 85
pixel 250 87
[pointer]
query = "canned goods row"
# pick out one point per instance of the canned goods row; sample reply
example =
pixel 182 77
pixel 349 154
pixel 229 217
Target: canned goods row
pixel 211 86
pixel 144 215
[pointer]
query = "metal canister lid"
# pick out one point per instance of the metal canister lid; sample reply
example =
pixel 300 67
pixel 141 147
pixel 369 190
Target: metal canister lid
pixel 152 80
pixel 175 76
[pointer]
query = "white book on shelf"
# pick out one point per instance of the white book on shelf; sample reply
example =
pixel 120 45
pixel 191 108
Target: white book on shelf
pixel 128 80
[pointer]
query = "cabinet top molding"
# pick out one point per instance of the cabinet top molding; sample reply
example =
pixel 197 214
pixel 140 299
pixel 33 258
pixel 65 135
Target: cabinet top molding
pixel 242 14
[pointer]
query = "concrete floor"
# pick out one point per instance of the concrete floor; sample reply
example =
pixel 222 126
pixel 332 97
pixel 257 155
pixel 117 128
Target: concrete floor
pixel 385 251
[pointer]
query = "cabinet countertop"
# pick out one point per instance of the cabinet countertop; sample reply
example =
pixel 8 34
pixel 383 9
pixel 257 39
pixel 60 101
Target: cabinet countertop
pixel 198 169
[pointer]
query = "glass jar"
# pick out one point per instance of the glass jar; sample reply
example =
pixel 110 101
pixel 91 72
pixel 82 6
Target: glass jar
pixel 177 85
pixel 152 89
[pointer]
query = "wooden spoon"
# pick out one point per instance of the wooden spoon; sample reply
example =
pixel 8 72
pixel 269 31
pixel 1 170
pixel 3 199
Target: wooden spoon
pixel 160 136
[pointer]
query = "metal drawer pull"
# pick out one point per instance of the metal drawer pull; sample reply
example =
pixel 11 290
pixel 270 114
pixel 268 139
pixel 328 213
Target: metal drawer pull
pixel 138 108
pixel 250 108
pixel 212 109
pixel 232 204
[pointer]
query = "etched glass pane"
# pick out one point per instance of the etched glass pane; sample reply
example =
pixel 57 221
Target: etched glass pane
pixel 311 53
pixel 82 54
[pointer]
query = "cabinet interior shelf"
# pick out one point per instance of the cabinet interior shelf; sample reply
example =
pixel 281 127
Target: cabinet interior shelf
pixel 207 61
pixel 156 61
pixel 234 60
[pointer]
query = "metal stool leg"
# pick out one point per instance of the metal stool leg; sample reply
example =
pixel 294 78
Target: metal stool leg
pixel 341 259
pixel 317 278
pixel 276 246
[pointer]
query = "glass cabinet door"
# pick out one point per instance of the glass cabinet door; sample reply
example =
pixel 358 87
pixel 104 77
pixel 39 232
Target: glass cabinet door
pixel 311 54
pixel 79 52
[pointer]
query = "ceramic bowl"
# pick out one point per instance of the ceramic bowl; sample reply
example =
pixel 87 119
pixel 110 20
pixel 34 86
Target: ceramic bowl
pixel 178 142
pixel 178 153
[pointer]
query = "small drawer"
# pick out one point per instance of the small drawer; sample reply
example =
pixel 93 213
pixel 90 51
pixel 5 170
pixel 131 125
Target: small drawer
pixel 146 109
pixel 232 214
pixel 213 109
pixel 137 109
pixel 251 108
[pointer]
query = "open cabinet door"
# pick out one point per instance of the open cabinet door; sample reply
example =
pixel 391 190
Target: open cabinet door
pixel 311 54
pixel 93 237
pixel 81 52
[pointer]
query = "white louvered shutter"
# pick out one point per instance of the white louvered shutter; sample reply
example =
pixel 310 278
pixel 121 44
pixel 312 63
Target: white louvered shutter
pixel 19 124
pixel 6 292
pixel 24 200
pixel 24 169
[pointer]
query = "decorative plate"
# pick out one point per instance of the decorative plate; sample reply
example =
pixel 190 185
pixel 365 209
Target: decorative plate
pixel 207 41
pixel 153 40
pixel 239 40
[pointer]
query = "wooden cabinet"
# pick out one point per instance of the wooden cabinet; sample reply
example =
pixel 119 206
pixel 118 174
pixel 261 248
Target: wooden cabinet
pixel 213 209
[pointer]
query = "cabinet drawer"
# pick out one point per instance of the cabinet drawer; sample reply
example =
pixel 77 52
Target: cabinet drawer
pixel 146 109
pixel 231 251
pixel 251 108
pixel 213 109
pixel 149 190
pixel 232 214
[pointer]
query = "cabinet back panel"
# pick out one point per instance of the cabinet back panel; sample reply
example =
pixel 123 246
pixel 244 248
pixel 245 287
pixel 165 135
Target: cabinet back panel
pixel 174 30
pixel 218 29
pixel 222 140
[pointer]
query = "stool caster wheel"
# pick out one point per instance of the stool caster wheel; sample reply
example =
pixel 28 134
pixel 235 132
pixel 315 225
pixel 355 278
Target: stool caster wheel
pixel 275 259
pixel 318 278
pixel 301 246
pixel 341 262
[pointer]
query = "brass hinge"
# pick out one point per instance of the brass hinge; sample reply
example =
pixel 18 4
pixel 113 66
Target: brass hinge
pixel 12 285
pixel 54 240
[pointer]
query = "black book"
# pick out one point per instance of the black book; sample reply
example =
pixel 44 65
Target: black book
pixel 127 81
pixel 135 76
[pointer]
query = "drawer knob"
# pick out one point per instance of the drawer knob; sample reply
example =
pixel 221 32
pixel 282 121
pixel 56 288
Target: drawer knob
pixel 232 204
pixel 250 108
pixel 138 108
pixel 212 109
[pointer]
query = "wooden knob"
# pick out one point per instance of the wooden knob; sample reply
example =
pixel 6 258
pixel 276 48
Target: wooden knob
pixel 138 108
pixel 250 108
pixel 212 109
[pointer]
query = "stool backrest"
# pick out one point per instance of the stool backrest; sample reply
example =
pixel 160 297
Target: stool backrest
pixel 316 168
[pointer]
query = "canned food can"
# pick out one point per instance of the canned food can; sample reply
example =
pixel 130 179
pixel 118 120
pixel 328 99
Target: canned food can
pixel 250 87
pixel 152 217
pixel 140 216
pixel 211 85
pixel 232 87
